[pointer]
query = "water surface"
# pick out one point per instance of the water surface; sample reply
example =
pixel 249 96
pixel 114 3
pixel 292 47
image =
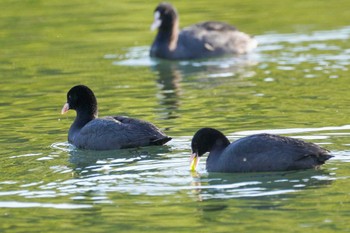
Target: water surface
pixel 294 84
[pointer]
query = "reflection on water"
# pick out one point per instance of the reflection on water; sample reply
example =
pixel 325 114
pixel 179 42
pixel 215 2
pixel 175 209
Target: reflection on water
pixel 296 38
pixel 171 73
pixel 316 54
pixel 223 186
pixel 169 78
pixel 85 161
pixel 15 204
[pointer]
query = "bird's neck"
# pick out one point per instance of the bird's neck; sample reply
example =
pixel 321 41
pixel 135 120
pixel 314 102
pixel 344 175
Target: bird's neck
pixel 169 36
pixel 83 117
pixel 80 121
pixel 216 151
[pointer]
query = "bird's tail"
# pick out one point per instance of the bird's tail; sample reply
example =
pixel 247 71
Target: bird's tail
pixel 160 141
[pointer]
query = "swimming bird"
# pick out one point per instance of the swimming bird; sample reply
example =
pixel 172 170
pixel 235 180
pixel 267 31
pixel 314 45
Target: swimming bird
pixel 255 153
pixel 202 40
pixel 108 133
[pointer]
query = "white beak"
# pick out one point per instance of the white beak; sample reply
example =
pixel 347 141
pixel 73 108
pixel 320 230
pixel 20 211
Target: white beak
pixel 65 108
pixel 157 22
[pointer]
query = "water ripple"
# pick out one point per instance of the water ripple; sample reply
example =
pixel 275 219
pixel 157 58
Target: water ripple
pixel 15 204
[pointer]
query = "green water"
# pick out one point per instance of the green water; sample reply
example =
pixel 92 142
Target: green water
pixel 296 83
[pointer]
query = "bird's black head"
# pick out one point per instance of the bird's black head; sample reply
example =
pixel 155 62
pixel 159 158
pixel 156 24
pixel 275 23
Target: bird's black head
pixel 165 17
pixel 82 99
pixel 207 139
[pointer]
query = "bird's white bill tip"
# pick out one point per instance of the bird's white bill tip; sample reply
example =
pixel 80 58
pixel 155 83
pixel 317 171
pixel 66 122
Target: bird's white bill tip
pixel 157 21
pixel 65 108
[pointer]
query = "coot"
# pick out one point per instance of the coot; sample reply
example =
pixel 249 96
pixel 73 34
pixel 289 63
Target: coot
pixel 202 40
pixel 255 153
pixel 112 132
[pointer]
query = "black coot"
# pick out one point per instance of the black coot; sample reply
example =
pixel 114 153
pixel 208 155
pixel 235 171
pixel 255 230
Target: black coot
pixel 202 40
pixel 112 132
pixel 255 153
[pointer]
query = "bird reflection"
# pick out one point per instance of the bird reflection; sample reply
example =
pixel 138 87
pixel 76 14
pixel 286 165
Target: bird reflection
pixel 169 78
pixel 258 185
pixel 217 192
pixel 88 161
pixel 172 75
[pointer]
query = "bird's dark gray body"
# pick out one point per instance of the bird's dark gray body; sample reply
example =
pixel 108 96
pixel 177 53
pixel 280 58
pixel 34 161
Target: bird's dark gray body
pixel 116 132
pixel 202 40
pixel 266 152
pixel 256 153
